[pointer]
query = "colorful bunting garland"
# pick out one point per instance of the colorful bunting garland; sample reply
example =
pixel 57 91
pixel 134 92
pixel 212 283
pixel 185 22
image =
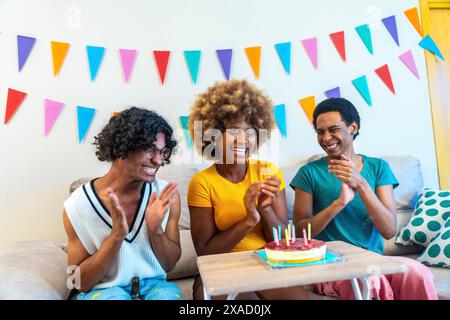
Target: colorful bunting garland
pixel 310 46
pixel 254 58
pixel 162 60
pixel 413 17
pixel 127 60
pixel 13 102
pixel 338 39
pixel 428 44
pixel 59 52
pixel 408 60
pixel 24 47
pixel 279 114
pixel 52 110
pixel 308 105
pixel 365 35
pixel 363 88
pixel 225 56
pixel 84 116
pixel 385 75
pixel 284 53
pixel 184 120
pixel 193 63
pixel 391 26
pixel 95 57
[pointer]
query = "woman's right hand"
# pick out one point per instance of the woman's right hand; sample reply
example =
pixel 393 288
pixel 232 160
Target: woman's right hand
pixel 119 220
pixel 252 194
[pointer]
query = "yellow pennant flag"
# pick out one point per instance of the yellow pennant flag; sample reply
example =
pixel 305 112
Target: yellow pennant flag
pixel 254 57
pixel 413 17
pixel 308 104
pixel 59 51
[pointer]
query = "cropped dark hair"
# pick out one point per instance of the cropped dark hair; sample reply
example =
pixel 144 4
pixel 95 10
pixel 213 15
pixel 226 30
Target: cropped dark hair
pixel 346 109
pixel 132 130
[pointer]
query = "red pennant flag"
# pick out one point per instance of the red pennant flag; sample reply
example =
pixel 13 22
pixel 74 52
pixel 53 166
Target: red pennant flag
pixel 385 75
pixel 338 39
pixel 15 98
pixel 162 59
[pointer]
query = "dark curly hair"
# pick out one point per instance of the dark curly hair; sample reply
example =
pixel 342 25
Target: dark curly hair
pixel 227 101
pixel 346 109
pixel 130 131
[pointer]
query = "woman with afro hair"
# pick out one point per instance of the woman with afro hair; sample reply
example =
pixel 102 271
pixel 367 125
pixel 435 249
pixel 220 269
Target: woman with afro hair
pixel 122 228
pixel 235 203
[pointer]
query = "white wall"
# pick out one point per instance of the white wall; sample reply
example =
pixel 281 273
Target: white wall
pixel 35 171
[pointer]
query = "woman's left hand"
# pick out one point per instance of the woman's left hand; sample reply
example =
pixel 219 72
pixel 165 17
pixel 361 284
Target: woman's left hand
pixel 346 171
pixel 269 191
pixel 158 205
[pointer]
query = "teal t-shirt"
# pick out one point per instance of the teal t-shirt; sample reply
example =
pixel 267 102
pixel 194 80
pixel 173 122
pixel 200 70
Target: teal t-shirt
pixel 352 224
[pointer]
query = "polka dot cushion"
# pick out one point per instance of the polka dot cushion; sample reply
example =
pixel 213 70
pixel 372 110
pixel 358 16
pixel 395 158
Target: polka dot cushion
pixel 438 251
pixel 431 215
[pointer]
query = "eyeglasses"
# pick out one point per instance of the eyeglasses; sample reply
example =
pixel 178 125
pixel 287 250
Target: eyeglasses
pixel 165 153
pixel 249 133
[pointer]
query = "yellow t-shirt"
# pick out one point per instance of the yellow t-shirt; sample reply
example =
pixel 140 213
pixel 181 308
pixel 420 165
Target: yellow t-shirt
pixel 209 189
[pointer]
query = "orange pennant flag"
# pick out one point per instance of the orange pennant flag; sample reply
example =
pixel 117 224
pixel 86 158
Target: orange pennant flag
pixel 308 104
pixel 254 58
pixel 59 52
pixel 413 17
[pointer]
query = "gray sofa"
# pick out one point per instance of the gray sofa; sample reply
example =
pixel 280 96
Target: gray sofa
pixel 36 269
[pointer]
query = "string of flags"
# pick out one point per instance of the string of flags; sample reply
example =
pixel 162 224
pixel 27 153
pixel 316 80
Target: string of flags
pixel 95 55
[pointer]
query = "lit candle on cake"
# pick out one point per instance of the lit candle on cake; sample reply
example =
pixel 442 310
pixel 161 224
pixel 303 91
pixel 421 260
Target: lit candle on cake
pixel 287 236
pixel 293 233
pixel 289 230
pixel 305 240
pixel 279 232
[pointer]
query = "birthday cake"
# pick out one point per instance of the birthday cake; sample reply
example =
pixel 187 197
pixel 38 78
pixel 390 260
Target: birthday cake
pixel 298 251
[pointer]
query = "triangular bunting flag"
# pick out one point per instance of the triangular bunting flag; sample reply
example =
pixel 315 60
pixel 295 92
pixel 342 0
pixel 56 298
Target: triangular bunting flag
pixel 225 57
pixel 59 52
pixel 308 105
pixel 162 60
pixel 52 110
pixel 391 26
pixel 333 93
pixel 193 62
pixel 127 59
pixel 24 47
pixel 95 56
pixel 408 59
pixel 363 88
pixel 254 58
pixel 428 44
pixel 385 75
pixel 279 112
pixel 184 120
pixel 85 116
pixel 13 102
pixel 365 35
pixel 413 17
pixel 284 52
pixel 338 39
pixel 310 46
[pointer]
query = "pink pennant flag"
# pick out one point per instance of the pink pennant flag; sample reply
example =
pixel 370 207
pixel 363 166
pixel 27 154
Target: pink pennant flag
pixel 408 59
pixel 127 57
pixel 310 46
pixel 52 110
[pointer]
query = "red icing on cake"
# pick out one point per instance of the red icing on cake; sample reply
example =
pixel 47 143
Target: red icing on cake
pixel 299 245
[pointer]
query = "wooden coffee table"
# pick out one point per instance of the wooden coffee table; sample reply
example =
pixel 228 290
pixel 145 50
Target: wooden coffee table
pixel 233 273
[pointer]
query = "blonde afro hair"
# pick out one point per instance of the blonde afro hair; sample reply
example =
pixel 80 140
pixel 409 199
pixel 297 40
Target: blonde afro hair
pixel 225 102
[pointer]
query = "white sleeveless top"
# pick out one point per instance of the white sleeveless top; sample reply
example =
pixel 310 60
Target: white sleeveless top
pixel 93 224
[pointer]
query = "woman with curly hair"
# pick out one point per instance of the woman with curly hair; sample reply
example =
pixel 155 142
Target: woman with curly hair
pixel 122 228
pixel 235 203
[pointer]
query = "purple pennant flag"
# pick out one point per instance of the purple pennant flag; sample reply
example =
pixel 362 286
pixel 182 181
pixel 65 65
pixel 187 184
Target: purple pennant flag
pixel 24 47
pixel 225 61
pixel 333 93
pixel 391 26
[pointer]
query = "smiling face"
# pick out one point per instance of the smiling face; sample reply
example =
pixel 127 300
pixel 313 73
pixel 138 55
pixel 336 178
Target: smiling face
pixel 239 141
pixel 333 134
pixel 143 165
